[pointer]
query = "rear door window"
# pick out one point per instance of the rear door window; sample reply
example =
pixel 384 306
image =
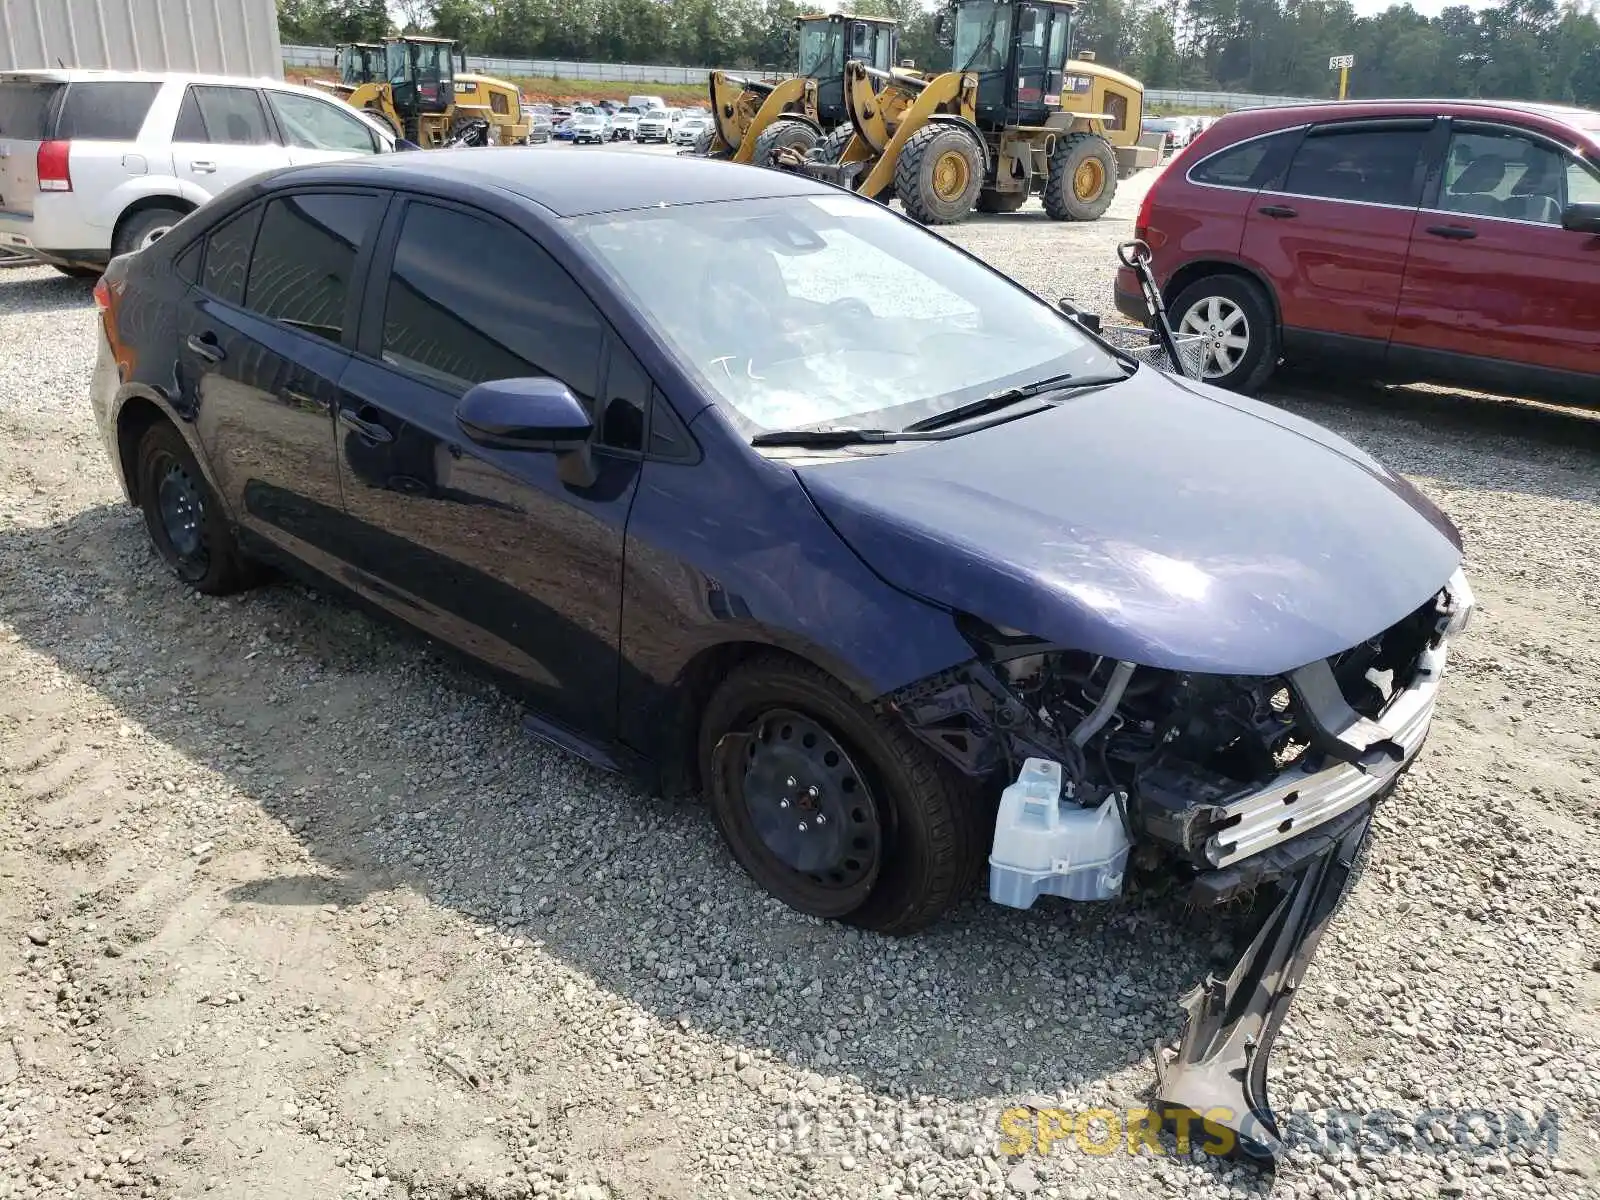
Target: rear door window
pixel 224 116
pixel 105 111
pixel 1373 166
pixel 305 258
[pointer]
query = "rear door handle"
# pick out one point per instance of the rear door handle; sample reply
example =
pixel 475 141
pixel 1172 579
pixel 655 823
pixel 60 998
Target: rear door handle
pixel 205 345
pixel 203 168
pixel 1456 233
pixel 370 430
pixel 1277 212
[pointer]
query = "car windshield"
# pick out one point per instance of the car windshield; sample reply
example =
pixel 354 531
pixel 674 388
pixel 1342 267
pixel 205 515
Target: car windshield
pixel 829 309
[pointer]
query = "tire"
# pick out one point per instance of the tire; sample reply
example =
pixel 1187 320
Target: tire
pixel 79 272
pixel 785 133
pixel 893 800
pixel 939 174
pixel 173 492
pixel 702 143
pixel 1231 303
pixel 144 228
pixel 833 145
pixel 990 201
pixel 1083 178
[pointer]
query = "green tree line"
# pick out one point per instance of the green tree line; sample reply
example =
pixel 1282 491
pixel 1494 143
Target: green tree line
pixel 1519 49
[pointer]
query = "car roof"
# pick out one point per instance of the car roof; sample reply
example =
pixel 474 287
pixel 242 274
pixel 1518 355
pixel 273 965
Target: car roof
pixel 1583 119
pixel 93 75
pixel 568 185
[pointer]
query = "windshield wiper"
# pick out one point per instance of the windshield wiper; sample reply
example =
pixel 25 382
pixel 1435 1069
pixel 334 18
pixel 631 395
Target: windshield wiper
pixel 824 437
pixel 994 402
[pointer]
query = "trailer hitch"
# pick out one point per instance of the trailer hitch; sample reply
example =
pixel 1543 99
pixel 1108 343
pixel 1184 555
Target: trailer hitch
pixel 1218 1079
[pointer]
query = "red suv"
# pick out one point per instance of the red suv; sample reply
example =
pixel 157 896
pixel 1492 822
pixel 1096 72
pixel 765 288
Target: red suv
pixel 1451 242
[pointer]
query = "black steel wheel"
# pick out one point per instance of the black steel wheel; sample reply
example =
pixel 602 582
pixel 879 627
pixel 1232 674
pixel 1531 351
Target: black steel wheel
pixel 183 517
pixel 832 807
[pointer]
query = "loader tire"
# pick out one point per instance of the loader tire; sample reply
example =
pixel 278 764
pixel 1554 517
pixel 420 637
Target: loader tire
pixel 991 201
pixel 786 133
pixel 833 145
pixel 1083 178
pixel 939 174
pixel 702 143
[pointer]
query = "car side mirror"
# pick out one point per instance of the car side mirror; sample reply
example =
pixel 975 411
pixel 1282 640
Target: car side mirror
pixel 524 414
pixel 1089 320
pixel 1581 218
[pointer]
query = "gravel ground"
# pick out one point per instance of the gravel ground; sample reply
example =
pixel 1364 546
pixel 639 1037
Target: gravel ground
pixel 293 908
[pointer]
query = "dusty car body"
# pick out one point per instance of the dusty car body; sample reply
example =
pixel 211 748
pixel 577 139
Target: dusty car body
pixel 845 549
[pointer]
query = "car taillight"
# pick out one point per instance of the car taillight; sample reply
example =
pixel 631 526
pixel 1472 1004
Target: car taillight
pixel 1141 222
pixel 102 295
pixel 55 168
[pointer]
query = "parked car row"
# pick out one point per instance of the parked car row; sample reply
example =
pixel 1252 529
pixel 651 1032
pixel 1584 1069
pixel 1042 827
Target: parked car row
pixel 627 122
pixel 1179 131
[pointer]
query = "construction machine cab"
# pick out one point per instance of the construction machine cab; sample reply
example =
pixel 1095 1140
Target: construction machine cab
pixel 359 62
pixel 828 40
pixel 1019 51
pixel 421 75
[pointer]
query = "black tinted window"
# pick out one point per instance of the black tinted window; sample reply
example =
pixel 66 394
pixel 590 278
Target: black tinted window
pixel 187 264
pixel 227 259
pixel 626 397
pixel 105 112
pixel 470 300
pixel 25 109
pixel 1244 165
pixel 223 115
pixel 304 257
pixel 1375 166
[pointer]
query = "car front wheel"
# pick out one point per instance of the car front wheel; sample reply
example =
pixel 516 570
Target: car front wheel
pixel 836 810
pixel 1235 317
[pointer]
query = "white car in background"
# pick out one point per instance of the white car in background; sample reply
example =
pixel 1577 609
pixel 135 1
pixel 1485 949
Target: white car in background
pixel 654 126
pixel 625 123
pixel 99 163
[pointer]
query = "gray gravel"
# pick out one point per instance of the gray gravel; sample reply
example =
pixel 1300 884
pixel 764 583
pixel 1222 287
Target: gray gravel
pixel 292 907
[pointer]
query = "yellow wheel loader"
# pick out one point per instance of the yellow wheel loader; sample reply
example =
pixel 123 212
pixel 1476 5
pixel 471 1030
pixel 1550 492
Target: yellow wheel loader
pixel 1016 117
pixel 419 92
pixel 354 63
pixel 752 118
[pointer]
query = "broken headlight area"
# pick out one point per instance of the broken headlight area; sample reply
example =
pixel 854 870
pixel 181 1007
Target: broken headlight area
pixel 1222 774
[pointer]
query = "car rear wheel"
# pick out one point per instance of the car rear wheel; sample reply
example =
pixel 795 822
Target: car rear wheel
pixel 834 809
pixel 183 517
pixel 144 229
pixel 1235 317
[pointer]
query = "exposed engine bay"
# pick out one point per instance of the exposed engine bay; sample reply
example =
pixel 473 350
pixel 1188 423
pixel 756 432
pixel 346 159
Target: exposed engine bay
pixel 1171 748
pixel 1261 785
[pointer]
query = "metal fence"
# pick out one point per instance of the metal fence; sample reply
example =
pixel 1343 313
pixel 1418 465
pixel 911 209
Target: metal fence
pixel 548 68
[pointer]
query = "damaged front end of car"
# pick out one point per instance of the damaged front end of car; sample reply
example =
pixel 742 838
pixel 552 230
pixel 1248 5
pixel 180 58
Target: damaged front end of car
pixel 1246 786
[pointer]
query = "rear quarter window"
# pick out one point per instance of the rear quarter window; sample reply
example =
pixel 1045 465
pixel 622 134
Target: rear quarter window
pixel 107 111
pixel 1246 165
pixel 25 109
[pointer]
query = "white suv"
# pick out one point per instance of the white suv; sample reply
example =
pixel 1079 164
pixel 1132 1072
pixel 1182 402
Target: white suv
pixel 98 163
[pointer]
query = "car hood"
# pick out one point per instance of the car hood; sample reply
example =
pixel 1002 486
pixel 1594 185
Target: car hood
pixel 1169 524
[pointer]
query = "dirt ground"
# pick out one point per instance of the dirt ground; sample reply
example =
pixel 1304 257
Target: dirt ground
pixel 291 907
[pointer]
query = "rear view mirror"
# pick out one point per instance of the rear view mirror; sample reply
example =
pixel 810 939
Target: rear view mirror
pixel 1581 218
pixel 524 414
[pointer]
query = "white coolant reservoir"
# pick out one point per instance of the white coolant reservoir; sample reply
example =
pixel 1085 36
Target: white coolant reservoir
pixel 1043 847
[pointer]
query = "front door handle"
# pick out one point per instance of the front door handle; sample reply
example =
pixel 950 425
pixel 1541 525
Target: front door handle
pixel 1278 212
pixel 206 346
pixel 202 167
pixel 1456 233
pixel 370 430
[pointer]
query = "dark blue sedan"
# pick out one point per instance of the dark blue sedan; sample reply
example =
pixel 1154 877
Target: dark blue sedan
pixel 753 486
